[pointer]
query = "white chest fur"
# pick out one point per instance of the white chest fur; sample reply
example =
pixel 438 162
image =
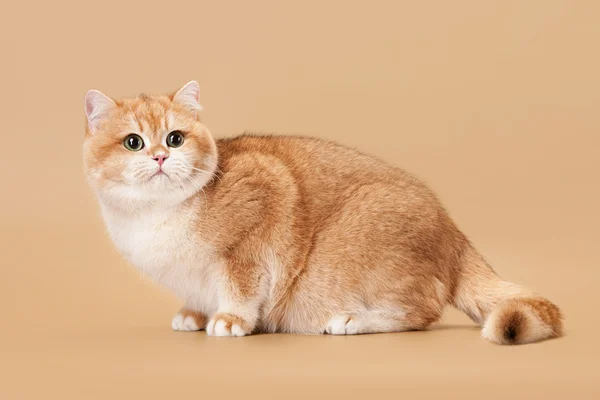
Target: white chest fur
pixel 163 245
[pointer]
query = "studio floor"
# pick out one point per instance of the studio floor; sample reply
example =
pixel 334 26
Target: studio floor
pixel 150 361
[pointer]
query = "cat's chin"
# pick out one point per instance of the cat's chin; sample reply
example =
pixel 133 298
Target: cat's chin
pixel 159 191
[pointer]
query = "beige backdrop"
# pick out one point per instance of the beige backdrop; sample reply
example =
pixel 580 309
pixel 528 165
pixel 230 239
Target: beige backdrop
pixel 494 103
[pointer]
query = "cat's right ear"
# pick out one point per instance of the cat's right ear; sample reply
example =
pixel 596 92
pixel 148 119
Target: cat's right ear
pixel 97 107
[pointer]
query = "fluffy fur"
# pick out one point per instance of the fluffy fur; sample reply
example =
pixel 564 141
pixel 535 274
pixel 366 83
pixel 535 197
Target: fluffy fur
pixel 288 234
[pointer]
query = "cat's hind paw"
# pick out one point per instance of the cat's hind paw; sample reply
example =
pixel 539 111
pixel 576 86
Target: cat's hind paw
pixel 188 320
pixel 342 325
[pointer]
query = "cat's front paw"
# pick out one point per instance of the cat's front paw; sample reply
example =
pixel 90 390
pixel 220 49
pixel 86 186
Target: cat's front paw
pixel 227 325
pixel 188 320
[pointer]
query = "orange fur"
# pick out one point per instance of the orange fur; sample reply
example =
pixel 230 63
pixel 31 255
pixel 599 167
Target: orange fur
pixel 291 234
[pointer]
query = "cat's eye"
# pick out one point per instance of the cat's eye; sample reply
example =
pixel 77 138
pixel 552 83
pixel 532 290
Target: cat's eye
pixel 133 142
pixel 175 139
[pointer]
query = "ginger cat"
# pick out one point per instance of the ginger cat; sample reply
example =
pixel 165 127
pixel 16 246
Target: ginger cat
pixel 285 233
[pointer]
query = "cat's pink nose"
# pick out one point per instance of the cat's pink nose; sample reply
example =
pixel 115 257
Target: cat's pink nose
pixel 160 158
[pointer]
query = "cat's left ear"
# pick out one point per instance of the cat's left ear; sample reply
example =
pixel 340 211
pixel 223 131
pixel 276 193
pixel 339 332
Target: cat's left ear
pixel 189 96
pixel 97 107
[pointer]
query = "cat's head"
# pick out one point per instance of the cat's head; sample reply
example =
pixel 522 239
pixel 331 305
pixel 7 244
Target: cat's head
pixel 147 149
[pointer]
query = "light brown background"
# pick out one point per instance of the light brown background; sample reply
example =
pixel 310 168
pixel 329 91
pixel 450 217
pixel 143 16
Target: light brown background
pixel 494 103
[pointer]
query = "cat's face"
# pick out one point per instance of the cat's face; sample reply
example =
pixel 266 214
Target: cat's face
pixel 147 149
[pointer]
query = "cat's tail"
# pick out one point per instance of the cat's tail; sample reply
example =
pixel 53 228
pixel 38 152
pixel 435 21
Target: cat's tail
pixel 509 313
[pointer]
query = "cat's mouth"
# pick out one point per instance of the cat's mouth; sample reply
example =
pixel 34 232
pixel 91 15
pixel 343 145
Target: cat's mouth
pixel 158 174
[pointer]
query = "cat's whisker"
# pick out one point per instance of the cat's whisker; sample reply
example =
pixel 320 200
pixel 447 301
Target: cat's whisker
pixel 199 188
pixel 180 182
pixel 207 172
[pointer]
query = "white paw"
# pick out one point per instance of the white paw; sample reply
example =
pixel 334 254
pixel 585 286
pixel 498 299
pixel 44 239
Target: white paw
pixel 181 323
pixel 224 327
pixel 342 325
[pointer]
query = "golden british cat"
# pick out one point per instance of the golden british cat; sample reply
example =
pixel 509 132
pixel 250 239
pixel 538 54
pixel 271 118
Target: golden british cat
pixel 285 233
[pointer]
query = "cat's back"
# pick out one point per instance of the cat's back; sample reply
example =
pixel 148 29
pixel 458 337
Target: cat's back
pixel 312 159
pixel 324 173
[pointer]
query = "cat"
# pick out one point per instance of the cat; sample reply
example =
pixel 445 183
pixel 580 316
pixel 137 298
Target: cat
pixel 266 233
